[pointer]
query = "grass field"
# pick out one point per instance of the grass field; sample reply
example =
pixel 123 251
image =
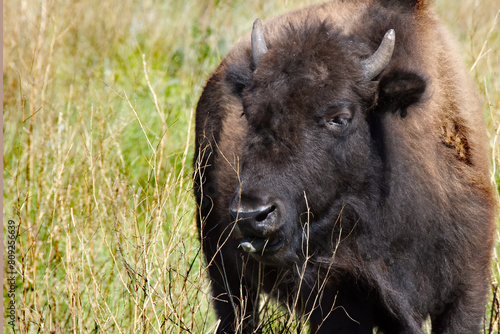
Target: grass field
pixel 99 98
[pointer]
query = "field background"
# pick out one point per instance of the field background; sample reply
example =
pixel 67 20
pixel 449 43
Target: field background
pixel 99 97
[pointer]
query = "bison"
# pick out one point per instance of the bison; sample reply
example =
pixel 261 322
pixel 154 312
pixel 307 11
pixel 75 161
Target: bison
pixel 341 167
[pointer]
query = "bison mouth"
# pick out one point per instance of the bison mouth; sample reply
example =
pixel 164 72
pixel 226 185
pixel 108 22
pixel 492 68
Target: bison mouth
pixel 262 245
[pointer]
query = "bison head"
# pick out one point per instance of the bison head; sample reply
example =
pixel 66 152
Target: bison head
pixel 313 158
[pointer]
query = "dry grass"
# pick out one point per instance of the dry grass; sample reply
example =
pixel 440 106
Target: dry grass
pixel 98 115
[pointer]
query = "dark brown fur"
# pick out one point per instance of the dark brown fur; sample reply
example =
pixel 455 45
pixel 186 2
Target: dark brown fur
pixel 388 219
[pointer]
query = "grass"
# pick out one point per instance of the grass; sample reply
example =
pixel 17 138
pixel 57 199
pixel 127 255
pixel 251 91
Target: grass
pixel 99 99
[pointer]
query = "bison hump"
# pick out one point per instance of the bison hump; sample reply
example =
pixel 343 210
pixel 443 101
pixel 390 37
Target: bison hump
pixel 407 5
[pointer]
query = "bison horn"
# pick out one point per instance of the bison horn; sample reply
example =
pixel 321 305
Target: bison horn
pixel 258 42
pixel 375 64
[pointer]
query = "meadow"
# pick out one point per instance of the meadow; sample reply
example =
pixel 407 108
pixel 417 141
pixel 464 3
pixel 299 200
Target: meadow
pixel 99 101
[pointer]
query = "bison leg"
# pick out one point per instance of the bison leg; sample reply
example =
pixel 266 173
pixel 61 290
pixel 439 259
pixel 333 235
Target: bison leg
pixel 234 299
pixel 344 311
pixel 461 313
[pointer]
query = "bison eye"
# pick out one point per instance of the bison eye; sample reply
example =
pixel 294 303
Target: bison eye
pixel 338 120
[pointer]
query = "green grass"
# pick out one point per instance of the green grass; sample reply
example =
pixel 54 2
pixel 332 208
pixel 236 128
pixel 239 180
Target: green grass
pixel 99 99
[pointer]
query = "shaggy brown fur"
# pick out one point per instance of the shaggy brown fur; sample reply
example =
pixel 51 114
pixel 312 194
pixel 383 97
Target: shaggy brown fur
pixel 374 194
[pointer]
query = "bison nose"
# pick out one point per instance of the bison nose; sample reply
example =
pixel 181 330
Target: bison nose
pixel 256 227
pixel 254 222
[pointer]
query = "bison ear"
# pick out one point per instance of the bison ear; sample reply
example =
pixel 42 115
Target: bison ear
pixel 237 78
pixel 397 90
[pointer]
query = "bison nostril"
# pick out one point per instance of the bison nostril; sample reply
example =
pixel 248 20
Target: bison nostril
pixel 261 216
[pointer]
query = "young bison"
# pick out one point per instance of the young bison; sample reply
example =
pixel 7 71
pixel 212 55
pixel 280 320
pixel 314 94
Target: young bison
pixel 341 167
